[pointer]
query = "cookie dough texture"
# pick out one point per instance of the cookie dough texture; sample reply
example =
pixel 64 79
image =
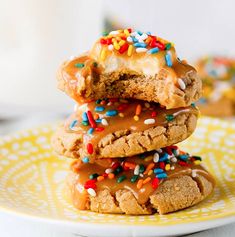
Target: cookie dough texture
pixel 172 195
pixel 127 143
pixel 161 88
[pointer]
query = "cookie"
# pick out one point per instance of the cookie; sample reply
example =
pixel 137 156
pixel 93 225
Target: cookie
pixel 140 185
pixel 121 128
pixel 217 74
pixel 131 65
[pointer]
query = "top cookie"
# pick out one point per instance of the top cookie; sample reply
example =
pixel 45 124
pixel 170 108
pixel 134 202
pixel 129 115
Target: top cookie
pixel 131 64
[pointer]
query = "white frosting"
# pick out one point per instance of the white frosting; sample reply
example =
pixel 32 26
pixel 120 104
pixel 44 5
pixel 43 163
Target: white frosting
pixel 142 65
pixel 148 64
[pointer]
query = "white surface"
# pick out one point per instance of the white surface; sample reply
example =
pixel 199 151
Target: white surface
pixel 196 27
pixel 33 227
pixel 37 36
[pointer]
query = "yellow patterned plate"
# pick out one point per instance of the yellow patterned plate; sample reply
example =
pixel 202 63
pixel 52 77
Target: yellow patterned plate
pixel 32 186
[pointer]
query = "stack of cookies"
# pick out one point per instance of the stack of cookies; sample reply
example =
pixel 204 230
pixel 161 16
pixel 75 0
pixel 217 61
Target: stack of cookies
pixel 135 101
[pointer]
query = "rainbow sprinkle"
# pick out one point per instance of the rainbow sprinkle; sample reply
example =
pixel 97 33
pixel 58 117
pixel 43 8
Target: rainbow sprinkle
pixel 144 173
pixel 98 118
pixel 73 124
pixel 85 160
pixel 79 65
pixel 127 41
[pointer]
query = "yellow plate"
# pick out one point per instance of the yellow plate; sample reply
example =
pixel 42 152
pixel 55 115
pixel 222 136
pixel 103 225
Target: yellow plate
pixel 32 185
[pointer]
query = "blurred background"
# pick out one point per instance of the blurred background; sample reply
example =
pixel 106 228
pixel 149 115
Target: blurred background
pixel 37 36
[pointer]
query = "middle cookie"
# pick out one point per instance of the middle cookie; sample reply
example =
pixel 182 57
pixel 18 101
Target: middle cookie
pixel 109 128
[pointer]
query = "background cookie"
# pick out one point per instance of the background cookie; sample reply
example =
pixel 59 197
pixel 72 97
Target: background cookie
pixel 218 78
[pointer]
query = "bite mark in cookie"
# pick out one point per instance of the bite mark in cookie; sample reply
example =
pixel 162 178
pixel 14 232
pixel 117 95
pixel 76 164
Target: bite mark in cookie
pixel 125 65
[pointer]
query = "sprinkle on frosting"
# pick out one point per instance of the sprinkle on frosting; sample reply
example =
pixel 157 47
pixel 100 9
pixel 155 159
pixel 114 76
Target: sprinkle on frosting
pixel 154 171
pixel 104 112
pixel 149 121
pixel 168 60
pixel 169 117
pixel 89 148
pixel 73 124
pixel 91 191
pixel 181 84
pixel 79 65
pixel 127 41
pixel 85 160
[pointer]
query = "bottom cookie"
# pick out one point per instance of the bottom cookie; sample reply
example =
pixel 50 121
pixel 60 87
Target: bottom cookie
pixel 163 181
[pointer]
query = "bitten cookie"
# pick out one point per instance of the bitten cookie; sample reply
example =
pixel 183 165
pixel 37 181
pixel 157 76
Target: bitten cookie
pixel 131 64
pixel 140 185
pixel 120 128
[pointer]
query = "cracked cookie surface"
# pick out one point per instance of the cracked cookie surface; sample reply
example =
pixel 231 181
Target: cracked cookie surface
pixel 124 143
pixel 121 128
pixel 172 195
